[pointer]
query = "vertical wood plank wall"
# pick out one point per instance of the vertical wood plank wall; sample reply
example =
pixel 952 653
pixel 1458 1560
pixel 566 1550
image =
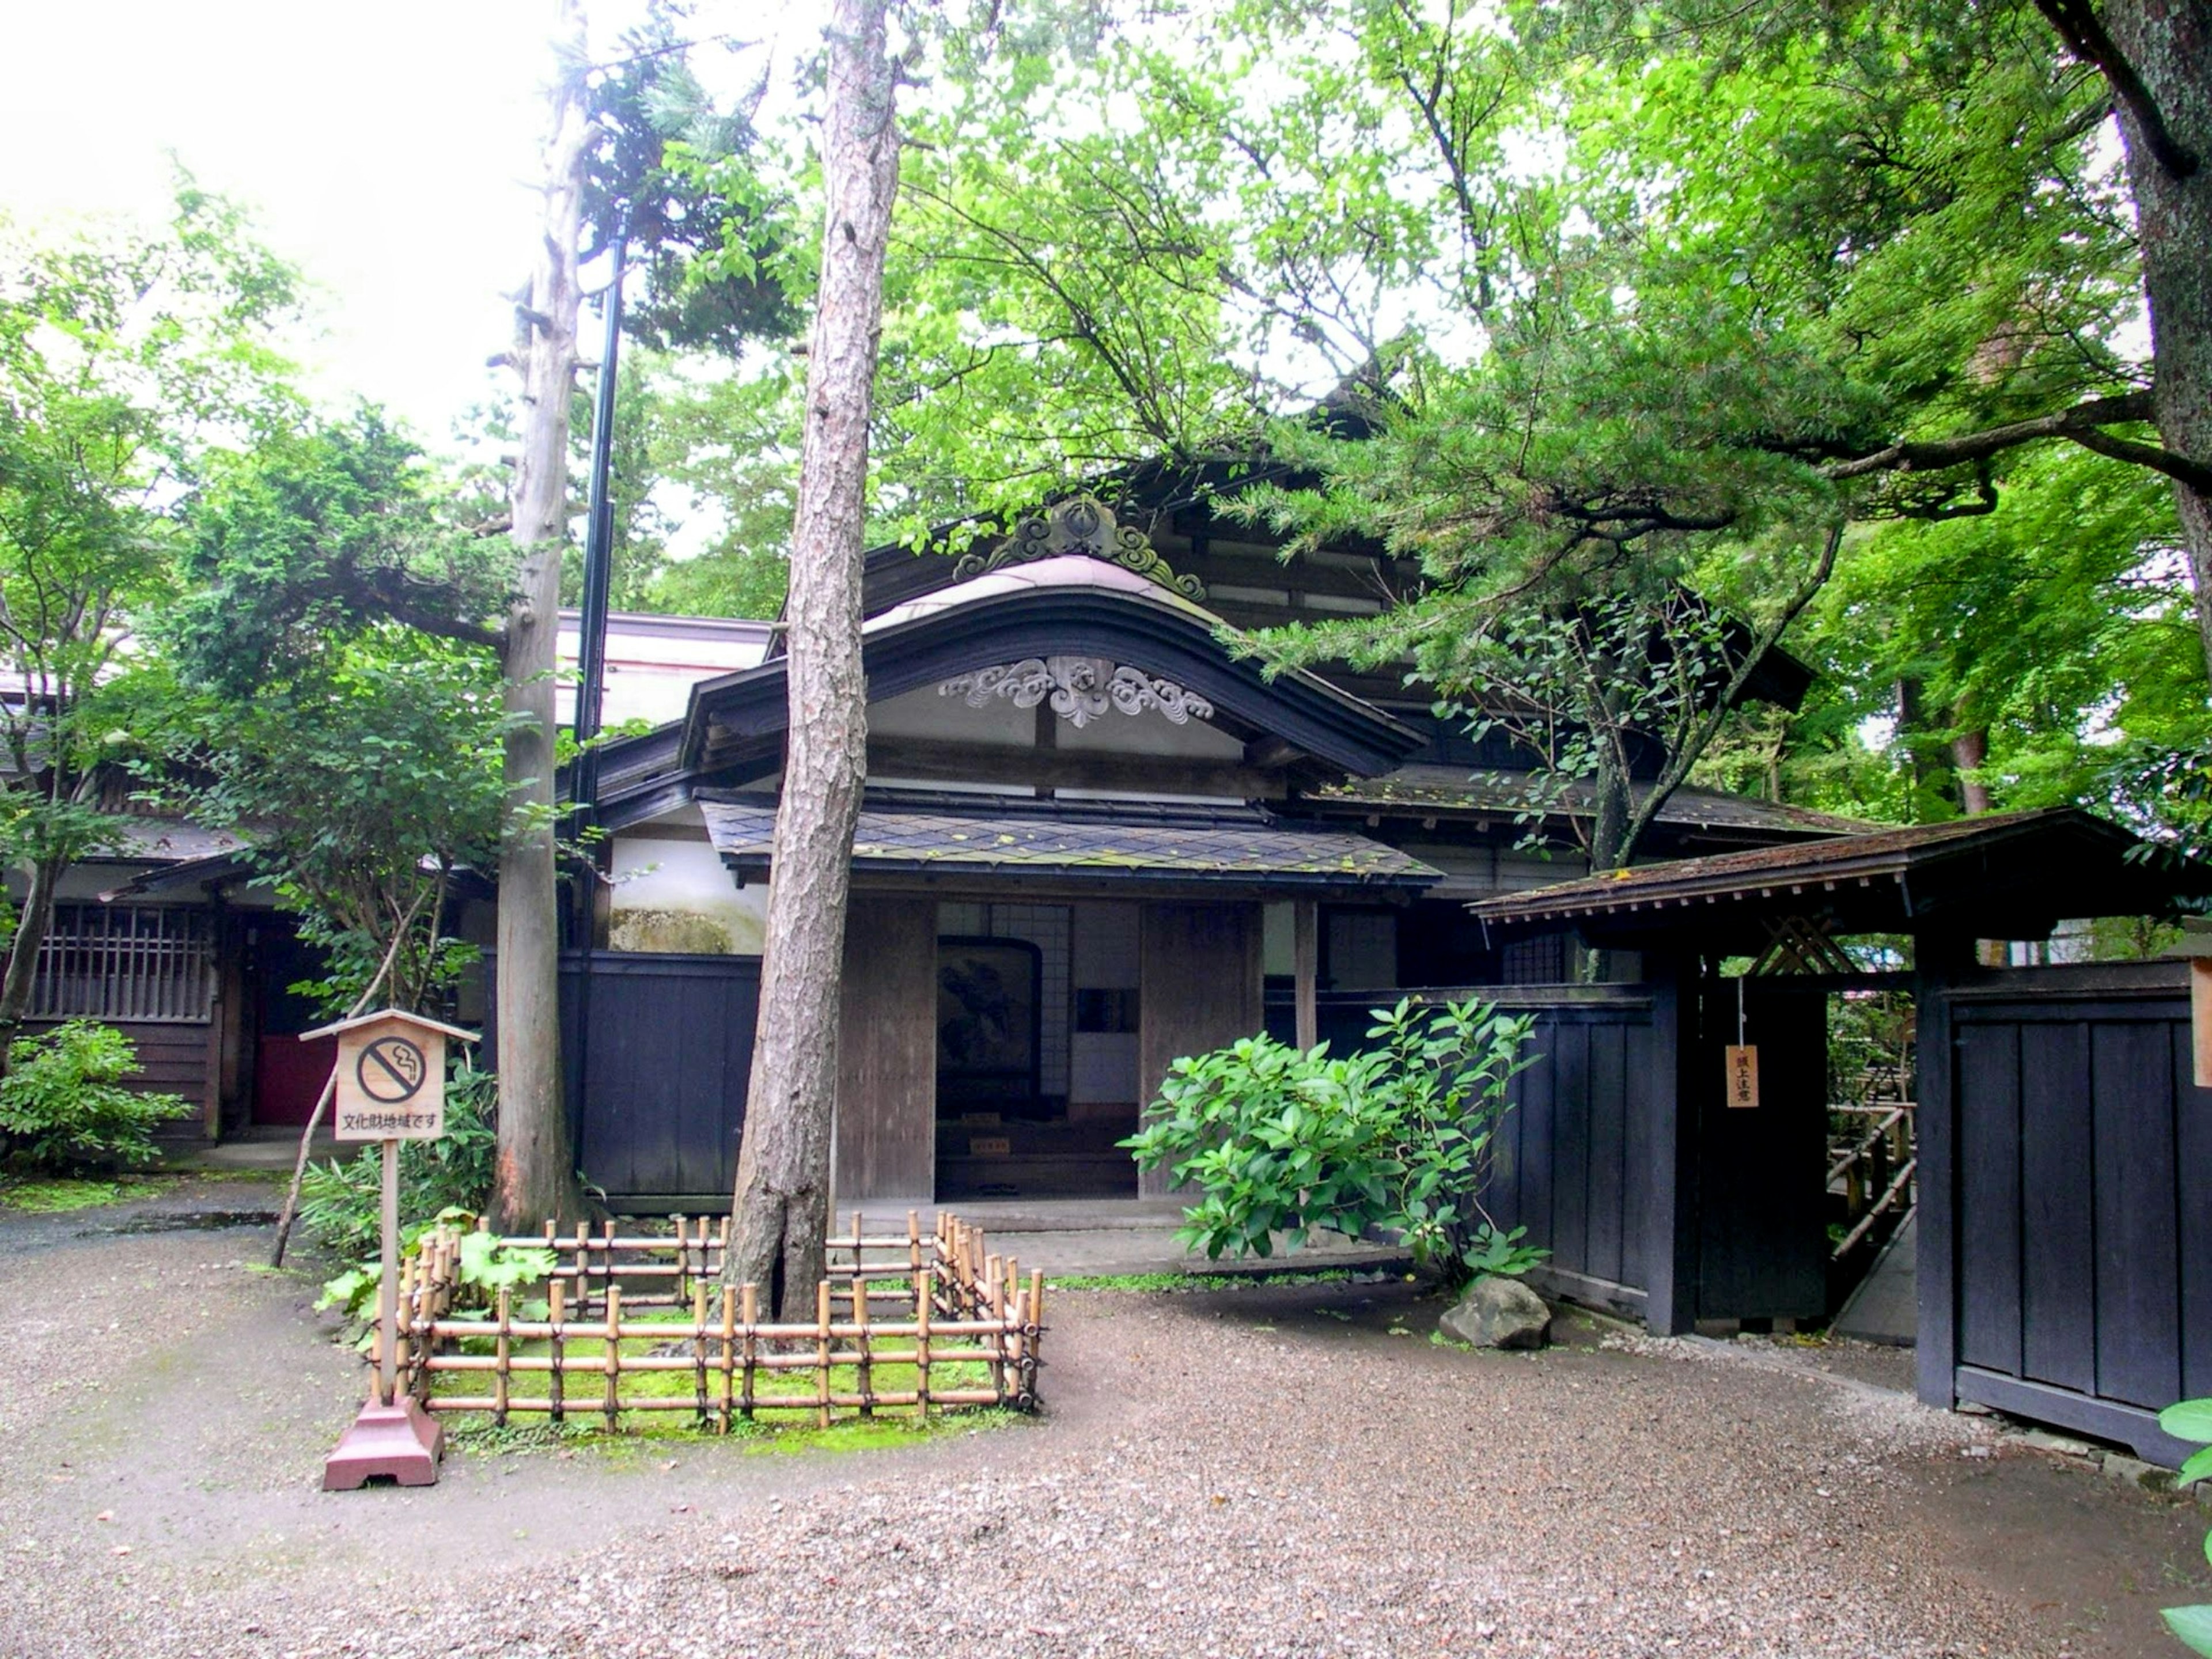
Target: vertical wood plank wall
pixel 1574 1155
pixel 1201 970
pixel 656 1057
pixel 886 1141
pixel 2071 1277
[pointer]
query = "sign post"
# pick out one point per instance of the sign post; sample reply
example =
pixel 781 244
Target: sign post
pixel 390 1087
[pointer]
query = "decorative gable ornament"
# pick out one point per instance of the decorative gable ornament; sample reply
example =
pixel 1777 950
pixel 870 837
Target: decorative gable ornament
pixel 1080 690
pixel 1085 526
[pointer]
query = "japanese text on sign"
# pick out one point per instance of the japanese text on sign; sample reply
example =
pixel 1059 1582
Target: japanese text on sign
pixel 1743 1074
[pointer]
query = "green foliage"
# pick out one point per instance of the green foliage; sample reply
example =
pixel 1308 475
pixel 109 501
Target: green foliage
pixel 61 1195
pixel 488 1267
pixel 356 756
pixel 62 1104
pixel 1501 1254
pixel 126 362
pixel 341 1200
pixel 2192 1420
pixel 1398 1136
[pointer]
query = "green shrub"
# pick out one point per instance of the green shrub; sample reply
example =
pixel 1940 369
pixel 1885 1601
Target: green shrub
pixel 2192 1420
pixel 63 1105
pixel 341 1201
pixel 1398 1136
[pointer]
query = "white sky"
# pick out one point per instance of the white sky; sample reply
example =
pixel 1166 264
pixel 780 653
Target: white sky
pixel 388 150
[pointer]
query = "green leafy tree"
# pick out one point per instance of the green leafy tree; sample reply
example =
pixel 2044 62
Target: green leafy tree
pixel 124 359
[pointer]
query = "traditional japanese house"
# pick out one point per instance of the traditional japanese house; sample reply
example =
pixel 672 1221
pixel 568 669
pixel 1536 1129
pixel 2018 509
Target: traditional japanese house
pixel 1096 837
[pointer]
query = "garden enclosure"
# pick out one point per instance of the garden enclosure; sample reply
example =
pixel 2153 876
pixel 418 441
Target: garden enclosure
pixel 642 1324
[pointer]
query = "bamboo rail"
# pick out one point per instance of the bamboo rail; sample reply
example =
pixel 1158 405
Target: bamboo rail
pixel 916 1301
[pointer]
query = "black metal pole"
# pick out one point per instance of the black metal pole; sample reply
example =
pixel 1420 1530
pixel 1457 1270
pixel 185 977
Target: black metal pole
pixel 598 550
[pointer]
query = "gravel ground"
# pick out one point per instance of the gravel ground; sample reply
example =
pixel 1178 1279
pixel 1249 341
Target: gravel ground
pixel 1264 1471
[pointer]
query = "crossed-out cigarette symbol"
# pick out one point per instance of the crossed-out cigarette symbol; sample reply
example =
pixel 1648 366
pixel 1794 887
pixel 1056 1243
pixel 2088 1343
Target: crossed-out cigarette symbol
pixel 390 1070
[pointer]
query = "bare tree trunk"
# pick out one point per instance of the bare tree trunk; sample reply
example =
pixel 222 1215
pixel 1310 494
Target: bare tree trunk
pixel 2169 48
pixel 535 1174
pixel 32 922
pixel 782 1197
pixel 1970 752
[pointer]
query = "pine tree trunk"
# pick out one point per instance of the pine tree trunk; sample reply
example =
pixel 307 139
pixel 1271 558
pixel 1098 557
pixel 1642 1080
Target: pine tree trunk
pixel 2169 45
pixel 782 1198
pixel 536 1176
pixel 1970 752
pixel 32 922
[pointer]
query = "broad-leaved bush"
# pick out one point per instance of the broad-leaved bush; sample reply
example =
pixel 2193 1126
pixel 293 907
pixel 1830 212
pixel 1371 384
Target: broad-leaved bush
pixel 1398 1136
pixel 62 1104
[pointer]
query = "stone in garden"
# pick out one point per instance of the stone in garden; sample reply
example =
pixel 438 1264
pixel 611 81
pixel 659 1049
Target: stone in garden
pixel 1498 1313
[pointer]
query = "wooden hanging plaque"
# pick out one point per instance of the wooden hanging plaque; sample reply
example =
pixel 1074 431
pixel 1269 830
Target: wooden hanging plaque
pixel 1742 1074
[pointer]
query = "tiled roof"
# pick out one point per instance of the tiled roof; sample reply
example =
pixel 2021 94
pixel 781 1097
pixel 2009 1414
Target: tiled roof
pixel 1138 844
pixel 2059 862
pixel 1457 789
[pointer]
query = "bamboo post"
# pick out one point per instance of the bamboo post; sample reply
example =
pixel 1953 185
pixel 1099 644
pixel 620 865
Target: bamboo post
pixel 556 1396
pixel 729 1357
pixel 993 1288
pixel 751 1311
pixel 682 1262
pixel 822 1354
pixel 613 1356
pixel 699 1343
pixel 924 1295
pixel 503 1359
pixel 583 1270
pixel 864 1368
pixel 607 1255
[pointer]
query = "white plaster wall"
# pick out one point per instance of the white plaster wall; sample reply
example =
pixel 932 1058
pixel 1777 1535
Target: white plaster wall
pixel 922 712
pixel 672 894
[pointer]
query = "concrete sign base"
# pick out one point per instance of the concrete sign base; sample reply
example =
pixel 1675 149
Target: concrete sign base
pixel 400 1441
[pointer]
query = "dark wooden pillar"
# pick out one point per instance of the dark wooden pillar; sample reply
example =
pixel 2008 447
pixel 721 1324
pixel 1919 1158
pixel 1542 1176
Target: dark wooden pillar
pixel 1306 967
pixel 886 1139
pixel 1935 962
pixel 1201 965
pixel 1670 1306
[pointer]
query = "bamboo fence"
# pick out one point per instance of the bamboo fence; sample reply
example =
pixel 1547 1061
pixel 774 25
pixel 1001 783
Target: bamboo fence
pixel 954 1325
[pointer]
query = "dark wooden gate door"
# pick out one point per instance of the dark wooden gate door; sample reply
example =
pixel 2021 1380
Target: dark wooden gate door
pixel 2066 1231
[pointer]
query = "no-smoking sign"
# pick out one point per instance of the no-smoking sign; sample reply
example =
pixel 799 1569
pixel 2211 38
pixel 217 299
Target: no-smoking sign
pixel 391 1069
pixel 391 1076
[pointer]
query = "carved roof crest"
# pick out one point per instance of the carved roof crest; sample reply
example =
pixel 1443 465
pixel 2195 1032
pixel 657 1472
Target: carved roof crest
pixel 1085 526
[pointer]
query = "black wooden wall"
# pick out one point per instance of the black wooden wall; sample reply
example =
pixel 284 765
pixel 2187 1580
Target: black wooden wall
pixel 656 1050
pixel 2066 1231
pixel 1574 1156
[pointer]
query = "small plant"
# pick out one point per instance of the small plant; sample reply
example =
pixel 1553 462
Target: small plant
pixel 1399 1136
pixel 488 1267
pixel 63 1105
pixel 1501 1254
pixel 2192 1420
pixel 341 1201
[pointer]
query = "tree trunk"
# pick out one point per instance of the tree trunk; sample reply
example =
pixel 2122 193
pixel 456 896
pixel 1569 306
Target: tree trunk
pixel 782 1197
pixel 32 922
pixel 1970 752
pixel 2169 45
pixel 536 1176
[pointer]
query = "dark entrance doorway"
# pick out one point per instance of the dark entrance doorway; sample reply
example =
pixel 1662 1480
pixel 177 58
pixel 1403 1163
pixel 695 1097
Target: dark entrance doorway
pixel 288 1074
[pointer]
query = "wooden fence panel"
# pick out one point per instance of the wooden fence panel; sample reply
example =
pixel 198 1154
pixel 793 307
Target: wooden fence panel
pixel 2071 1269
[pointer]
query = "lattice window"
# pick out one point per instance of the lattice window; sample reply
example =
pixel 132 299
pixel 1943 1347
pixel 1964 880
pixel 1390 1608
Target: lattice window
pixel 1539 961
pixel 126 962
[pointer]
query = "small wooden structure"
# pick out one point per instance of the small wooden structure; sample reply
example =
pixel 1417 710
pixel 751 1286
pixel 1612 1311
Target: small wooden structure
pixel 390 1086
pixel 2065 1265
pixel 915 1322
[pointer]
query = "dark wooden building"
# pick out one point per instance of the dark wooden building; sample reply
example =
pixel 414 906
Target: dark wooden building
pixel 1098 836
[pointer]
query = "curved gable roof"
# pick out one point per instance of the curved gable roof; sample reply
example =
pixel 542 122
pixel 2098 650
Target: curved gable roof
pixel 1070 605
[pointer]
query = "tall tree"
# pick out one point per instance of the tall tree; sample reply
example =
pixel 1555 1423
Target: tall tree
pixel 536 1173
pixel 123 360
pixel 783 1196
